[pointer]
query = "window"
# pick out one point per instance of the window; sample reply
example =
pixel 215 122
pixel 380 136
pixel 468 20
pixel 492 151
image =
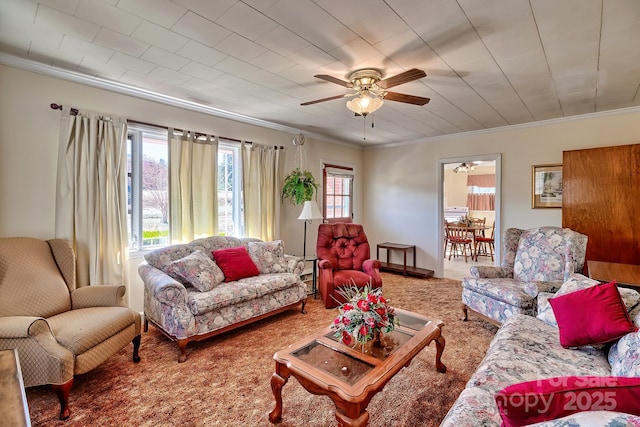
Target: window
pixel 338 193
pixel 147 187
pixel 148 201
pixel 229 194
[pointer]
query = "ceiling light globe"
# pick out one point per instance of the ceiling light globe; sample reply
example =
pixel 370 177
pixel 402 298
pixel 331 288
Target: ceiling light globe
pixel 364 104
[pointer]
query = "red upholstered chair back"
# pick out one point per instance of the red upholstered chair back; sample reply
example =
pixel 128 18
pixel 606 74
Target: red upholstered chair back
pixel 344 245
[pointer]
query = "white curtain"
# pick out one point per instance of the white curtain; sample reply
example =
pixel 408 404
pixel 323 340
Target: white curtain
pixel 261 191
pixel 193 172
pixel 91 195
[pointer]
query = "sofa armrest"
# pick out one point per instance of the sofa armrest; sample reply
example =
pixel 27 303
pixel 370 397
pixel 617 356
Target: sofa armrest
pixel 22 326
pixel 98 296
pixel 161 286
pixel 325 264
pixel 295 264
pixel 485 272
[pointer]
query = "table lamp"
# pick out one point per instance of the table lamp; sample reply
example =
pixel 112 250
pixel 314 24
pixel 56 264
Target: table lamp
pixel 310 211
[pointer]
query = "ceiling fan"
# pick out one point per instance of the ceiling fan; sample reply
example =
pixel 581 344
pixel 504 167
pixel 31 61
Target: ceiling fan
pixel 370 89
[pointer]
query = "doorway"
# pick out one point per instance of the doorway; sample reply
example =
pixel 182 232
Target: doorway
pixel 452 197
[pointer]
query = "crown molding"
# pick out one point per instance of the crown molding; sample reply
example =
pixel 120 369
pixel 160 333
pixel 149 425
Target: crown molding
pixel 507 128
pixel 73 76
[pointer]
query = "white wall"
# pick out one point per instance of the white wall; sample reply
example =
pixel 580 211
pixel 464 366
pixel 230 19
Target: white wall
pixel 29 144
pixel 401 182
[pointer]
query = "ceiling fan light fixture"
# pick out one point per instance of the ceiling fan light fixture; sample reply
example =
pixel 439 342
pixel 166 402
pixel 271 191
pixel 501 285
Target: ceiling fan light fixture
pixel 364 104
pixel 465 167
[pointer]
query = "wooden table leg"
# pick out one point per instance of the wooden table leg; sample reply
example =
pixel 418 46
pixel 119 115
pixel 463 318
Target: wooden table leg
pixel 440 342
pixel 277 382
pixel 345 421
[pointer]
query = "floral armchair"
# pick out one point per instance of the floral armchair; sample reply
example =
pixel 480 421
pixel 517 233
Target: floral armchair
pixel 534 261
pixel 344 260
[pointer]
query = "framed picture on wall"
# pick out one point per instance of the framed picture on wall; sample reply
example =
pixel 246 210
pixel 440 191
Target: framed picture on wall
pixel 546 186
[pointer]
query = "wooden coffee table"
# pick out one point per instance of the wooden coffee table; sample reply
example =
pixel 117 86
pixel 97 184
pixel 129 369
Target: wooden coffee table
pixel 324 366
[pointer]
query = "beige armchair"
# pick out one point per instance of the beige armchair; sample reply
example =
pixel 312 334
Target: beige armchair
pixel 58 330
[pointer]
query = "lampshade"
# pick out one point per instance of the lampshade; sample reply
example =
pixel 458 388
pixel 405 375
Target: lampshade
pixel 364 104
pixel 310 211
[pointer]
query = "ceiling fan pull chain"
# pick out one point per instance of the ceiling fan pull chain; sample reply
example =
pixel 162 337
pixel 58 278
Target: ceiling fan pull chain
pixel 364 129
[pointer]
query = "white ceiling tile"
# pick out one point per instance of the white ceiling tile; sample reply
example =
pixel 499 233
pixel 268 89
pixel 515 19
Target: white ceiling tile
pixel 378 23
pixel 167 75
pixel 620 13
pixel 576 82
pixel 615 43
pixel 209 9
pixel 555 18
pixel 65 59
pixel 312 23
pixel 246 21
pixel 120 42
pixel 355 52
pixel 164 58
pixel 201 53
pixel 57 21
pixel 23 30
pixel 200 29
pixel 261 5
pixel 17 12
pixel 201 72
pixel 87 50
pixel 236 67
pixel 282 41
pixel 107 16
pixel 130 63
pixel 312 57
pixel 158 36
pixel 272 61
pixel 100 69
pixel 239 47
pixel 162 12
pixel 66 6
pixel 530 65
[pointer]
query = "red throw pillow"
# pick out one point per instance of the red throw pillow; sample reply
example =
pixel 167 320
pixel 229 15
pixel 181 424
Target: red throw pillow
pixel 551 398
pixel 595 315
pixel 235 263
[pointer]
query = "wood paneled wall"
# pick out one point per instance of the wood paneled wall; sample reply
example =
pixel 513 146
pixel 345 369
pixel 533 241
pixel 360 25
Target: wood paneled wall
pixel 601 198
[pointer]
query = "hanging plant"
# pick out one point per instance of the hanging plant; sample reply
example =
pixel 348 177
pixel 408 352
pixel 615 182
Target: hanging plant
pixel 299 186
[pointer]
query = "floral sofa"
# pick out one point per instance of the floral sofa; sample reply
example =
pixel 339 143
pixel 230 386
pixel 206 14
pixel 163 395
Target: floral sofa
pixel 188 297
pixel 527 348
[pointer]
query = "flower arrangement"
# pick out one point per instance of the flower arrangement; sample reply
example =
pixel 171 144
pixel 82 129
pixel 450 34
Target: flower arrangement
pixel 363 316
pixel 467 219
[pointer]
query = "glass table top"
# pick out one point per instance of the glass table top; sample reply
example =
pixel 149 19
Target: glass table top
pixel 339 363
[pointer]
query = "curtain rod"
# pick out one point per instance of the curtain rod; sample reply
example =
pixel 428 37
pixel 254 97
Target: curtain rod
pixel 74 111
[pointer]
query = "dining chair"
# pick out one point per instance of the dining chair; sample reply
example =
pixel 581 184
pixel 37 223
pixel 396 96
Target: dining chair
pixel 459 239
pixel 484 246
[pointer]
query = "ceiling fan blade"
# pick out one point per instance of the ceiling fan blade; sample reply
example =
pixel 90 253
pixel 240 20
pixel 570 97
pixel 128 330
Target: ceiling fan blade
pixel 332 79
pixel 323 99
pixel 408 99
pixel 398 79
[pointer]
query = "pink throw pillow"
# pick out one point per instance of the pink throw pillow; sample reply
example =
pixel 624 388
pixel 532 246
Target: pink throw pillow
pixel 590 316
pixel 551 398
pixel 235 263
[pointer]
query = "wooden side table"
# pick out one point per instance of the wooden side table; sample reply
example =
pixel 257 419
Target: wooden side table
pixel 624 274
pixel 13 400
pixel 401 268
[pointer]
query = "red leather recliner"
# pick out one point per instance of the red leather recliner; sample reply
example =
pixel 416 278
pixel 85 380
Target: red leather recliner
pixel 344 259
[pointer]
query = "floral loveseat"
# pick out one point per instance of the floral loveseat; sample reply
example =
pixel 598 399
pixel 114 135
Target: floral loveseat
pixel 527 348
pixel 188 297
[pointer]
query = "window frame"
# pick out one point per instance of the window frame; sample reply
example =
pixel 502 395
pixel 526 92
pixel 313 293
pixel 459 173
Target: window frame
pixel 349 170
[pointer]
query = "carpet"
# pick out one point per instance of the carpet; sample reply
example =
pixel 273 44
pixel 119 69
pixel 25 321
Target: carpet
pixel 226 380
